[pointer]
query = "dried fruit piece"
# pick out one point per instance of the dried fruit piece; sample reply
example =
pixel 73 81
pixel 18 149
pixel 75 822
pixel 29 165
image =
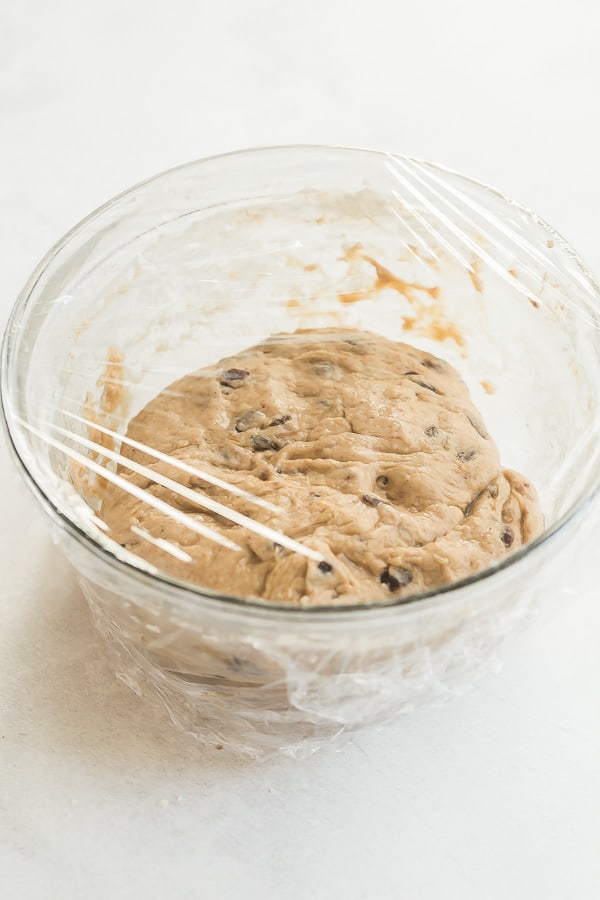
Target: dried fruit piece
pixel 325 369
pixel 253 418
pixel 395 578
pixel 435 363
pixel 262 442
pixel 426 385
pixel 371 500
pixel 233 377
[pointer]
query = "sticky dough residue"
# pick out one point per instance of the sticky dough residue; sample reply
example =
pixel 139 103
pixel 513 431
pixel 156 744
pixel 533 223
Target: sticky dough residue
pixel 108 409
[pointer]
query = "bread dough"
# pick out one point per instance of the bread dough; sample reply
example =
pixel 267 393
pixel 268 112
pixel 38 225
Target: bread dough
pixel 371 450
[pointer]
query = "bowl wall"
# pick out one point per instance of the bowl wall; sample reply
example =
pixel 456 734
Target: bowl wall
pixel 212 257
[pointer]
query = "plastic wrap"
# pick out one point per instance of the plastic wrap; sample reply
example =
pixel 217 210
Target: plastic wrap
pixel 210 258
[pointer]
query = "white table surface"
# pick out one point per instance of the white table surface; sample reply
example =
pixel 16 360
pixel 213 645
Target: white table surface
pixel 497 794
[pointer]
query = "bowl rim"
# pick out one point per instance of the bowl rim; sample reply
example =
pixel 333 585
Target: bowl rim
pixel 185 590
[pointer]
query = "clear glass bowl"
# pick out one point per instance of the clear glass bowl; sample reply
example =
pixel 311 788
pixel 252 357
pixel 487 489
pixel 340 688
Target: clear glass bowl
pixel 209 258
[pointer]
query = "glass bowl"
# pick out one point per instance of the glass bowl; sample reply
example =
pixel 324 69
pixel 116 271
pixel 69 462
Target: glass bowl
pixel 214 256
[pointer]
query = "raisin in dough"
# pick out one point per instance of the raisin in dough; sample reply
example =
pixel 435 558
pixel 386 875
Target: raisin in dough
pixel 372 451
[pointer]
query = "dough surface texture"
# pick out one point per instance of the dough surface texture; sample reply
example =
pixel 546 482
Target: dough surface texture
pixel 371 450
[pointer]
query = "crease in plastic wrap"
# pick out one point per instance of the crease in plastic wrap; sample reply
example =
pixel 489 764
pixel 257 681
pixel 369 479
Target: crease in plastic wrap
pixel 209 259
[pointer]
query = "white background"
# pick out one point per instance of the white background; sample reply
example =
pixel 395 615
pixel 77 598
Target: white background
pixel 497 794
